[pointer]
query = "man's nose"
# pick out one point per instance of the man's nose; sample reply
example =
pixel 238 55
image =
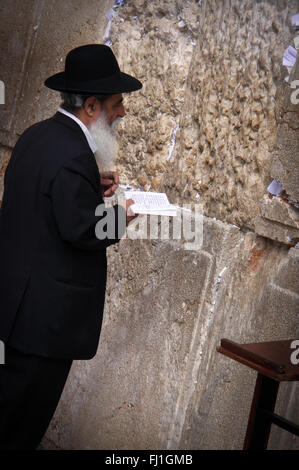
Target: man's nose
pixel 122 111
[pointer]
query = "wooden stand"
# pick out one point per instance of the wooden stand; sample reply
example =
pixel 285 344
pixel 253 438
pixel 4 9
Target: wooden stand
pixel 272 361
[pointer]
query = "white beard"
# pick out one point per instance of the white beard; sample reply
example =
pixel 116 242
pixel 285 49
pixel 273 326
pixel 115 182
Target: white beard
pixel 107 146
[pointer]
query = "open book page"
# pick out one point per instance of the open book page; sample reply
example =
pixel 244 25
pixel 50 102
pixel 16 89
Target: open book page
pixel 146 202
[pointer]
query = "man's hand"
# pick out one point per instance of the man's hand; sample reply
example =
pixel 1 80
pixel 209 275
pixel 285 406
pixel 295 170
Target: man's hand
pixel 126 204
pixel 109 183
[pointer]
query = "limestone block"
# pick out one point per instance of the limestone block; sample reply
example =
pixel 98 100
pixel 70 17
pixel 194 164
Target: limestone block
pixel 276 231
pixel 285 166
pixel 216 78
pixel 282 307
pixel 288 276
pixel 59 27
pixel 17 30
pixel 279 210
pixel 273 315
pixel 17 33
pixel 161 60
pixel 285 169
pixel 157 381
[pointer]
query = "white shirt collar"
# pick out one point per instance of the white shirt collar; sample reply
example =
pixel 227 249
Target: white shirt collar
pixel 88 136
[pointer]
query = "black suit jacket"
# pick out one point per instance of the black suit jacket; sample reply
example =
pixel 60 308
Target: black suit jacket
pixel 52 265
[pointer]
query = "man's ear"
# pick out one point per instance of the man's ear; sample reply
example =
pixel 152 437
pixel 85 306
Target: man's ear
pixel 91 105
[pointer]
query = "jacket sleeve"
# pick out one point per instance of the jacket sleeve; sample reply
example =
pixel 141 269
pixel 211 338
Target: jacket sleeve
pixel 80 213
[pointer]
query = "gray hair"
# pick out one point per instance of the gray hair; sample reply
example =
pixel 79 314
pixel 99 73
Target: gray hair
pixel 73 102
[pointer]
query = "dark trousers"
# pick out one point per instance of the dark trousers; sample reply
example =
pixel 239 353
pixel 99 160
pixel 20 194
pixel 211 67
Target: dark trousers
pixel 30 389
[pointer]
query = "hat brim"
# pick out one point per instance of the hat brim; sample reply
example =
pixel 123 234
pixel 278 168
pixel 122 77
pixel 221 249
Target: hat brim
pixel 123 83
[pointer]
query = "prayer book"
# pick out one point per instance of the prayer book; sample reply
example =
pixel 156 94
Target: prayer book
pixel 151 203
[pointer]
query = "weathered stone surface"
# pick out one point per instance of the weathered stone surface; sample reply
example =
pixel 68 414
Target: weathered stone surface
pixel 157 381
pixel 279 210
pixel 276 231
pixel 15 51
pixel 278 220
pixel 285 166
pixel 224 142
pixel 288 276
pixel 58 27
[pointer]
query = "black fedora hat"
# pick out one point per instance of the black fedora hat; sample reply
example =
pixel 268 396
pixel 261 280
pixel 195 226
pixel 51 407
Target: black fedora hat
pixel 92 68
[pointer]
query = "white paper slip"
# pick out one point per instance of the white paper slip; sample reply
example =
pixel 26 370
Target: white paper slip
pixel 147 202
pixel 289 57
pixel 275 188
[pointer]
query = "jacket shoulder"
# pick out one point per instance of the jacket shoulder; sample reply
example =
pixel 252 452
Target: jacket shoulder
pixel 65 146
pixel 50 145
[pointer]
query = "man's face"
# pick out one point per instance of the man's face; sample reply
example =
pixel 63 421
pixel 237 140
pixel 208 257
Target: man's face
pixel 114 108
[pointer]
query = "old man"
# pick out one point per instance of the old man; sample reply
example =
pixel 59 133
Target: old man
pixel 53 265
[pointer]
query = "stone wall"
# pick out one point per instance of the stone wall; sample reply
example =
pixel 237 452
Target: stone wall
pixel 157 381
pixel 204 130
pixel 211 74
pixel 35 37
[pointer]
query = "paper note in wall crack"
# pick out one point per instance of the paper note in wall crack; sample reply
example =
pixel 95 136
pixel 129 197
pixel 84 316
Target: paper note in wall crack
pixel 151 203
pixel 289 57
pixel 275 188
